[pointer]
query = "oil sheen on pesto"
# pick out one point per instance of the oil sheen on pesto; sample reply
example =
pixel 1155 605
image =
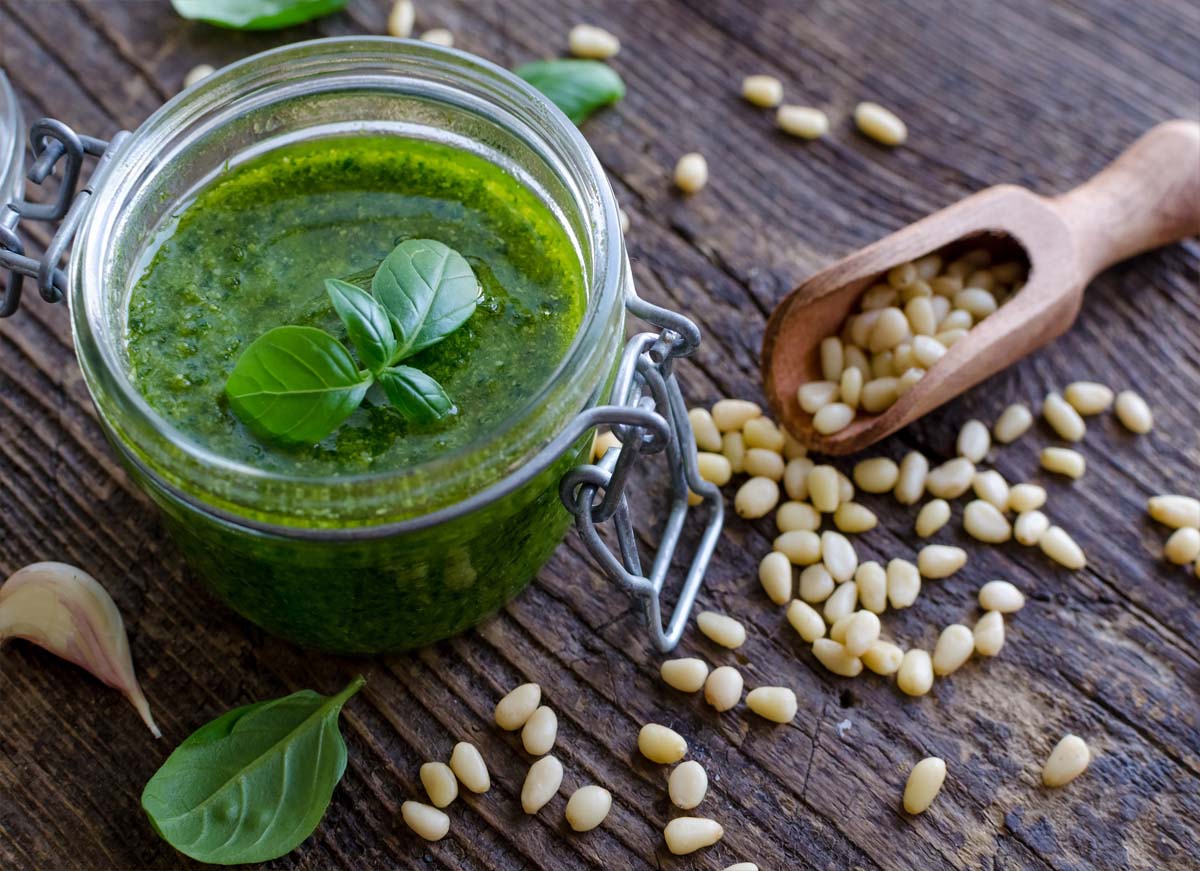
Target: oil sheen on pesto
pixel 251 252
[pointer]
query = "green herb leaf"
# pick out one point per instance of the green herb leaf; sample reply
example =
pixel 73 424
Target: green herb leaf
pixel 295 385
pixel 418 396
pixel 255 14
pixel 578 87
pixel 254 783
pixel 366 321
pixel 430 291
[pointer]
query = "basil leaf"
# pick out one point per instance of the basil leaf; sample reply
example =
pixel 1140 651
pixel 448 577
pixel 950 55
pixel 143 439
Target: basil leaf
pixel 295 385
pixel 255 14
pixel 418 396
pixel 254 783
pixel 366 321
pixel 430 291
pixel 578 87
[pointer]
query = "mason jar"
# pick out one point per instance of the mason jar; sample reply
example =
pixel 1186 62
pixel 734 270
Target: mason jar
pixel 379 561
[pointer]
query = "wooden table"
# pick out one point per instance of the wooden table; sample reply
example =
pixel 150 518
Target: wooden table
pixel 1027 92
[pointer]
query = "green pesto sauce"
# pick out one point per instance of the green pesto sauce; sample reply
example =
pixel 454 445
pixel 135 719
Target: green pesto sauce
pixel 251 252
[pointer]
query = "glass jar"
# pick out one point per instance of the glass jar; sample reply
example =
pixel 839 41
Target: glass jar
pixel 12 146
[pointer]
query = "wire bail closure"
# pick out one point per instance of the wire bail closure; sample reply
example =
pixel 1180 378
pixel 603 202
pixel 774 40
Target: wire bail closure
pixel 648 415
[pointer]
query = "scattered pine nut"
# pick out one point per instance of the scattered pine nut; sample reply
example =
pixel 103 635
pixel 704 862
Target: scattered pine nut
pixel 1063 418
pixel 989 634
pixel 541 783
pixel 761 432
pixel 954 647
pixel 876 475
pixel 903 583
pixel 723 689
pixel 974 441
pixel 805 619
pixel 990 486
pixel 426 822
pixel 687 784
pixel 1001 596
pixel 196 73
pixel 1063 461
pixel 518 706
pixel 1060 547
pixel 1134 413
pixel 775 575
pixel 1088 397
pixel 1174 510
pixel 602 443
pixel 440 783
pixel 587 807
pixel 764 91
pixel 438 36
pixel 688 834
pixel 835 658
pixel 400 19
pixel 540 731
pixel 910 485
pixel 838 555
pixel 984 522
pixel 777 704
pixel 793 516
pixel 1182 546
pixel 714 468
pixel 1030 527
pixel 801 546
pixel 933 515
pixel 660 744
pixel 730 415
pixel 742 866
pixel 951 479
pixel 803 121
pixel 686 675
pixel 880 124
pixel 924 783
pixel 733 448
pixel 883 658
pixel 691 172
pixel 871 580
pixel 853 518
pixel 756 498
pixel 588 41
pixel 940 560
pixel 721 629
pixel 795 478
pixel 915 676
pixel 823 488
pixel 862 630
pixel 841 602
pixel 761 463
pixel 704 430
pixel 470 769
pixel 1068 760
pixel 793 449
pixel 1026 497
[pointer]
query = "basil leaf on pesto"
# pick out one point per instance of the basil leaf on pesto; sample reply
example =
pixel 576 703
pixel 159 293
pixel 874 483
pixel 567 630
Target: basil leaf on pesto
pixel 253 784
pixel 367 323
pixel 416 395
pixel 430 291
pixel 578 87
pixel 255 14
pixel 295 385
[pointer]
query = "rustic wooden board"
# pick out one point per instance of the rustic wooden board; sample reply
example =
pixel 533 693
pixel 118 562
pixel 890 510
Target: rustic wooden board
pixel 1028 92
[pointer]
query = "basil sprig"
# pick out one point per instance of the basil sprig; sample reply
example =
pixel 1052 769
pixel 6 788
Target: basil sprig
pixel 295 385
pixel 255 14
pixel 578 87
pixel 254 783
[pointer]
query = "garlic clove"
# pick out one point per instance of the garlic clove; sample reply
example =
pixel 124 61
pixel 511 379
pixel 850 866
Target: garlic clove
pixel 66 611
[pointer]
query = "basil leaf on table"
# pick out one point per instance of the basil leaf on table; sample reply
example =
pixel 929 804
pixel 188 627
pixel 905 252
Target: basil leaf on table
pixel 366 320
pixel 295 385
pixel 578 87
pixel 430 291
pixel 255 14
pixel 418 396
pixel 254 783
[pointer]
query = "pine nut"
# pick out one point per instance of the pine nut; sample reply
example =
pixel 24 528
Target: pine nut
pixel 426 822
pixel 1001 596
pixel 854 518
pixel 927 350
pixel 715 468
pixel 733 448
pixel 933 516
pixel 990 486
pixel 1063 418
pixel 924 783
pixel 890 329
pixel 902 275
pixel 1134 413
pixel 723 689
pixel 872 586
pixel 704 430
pixel 1060 547
pixel 518 706
pixel 1026 497
pixel 989 634
pixel 903 358
pixel 721 629
pixel 832 418
pixel 940 560
pixel 762 463
pixel 974 441
pixel 850 388
pixel 400 19
pixel 842 602
pixel 910 486
pixel 1068 760
pixel 982 278
pixel 1012 424
pixel 1182 546
pixel 883 126
pixel 730 415
pixel 805 619
pixel 686 675
pixel 984 522
pixel 806 122
pixel 928 266
pixel 941 310
pixel 601 444
pixel 197 73
pixel 688 834
pixel 777 704
pixel 742 866
pixel 761 432
pixel 797 515
pixel 1008 272
pixel 1063 461
pixel 764 91
pixel 903 583
pixel 883 657
pixel 587 807
pixel 879 393
pixel 856 358
pixel 756 498
pixel 823 488
pixel 921 320
pixel 1030 527
pixel 978 302
pixel 687 784
pixel 595 43
pixel 775 575
pixel 691 172
pixel 792 449
pixel 801 546
pixel 862 630
pixel 1174 510
pixel 540 731
pixel 660 744
pixel 835 658
pixel 440 783
pixel 838 555
pixel 1088 397
pixel 845 488
pixel 795 478
pixel 879 296
pixel 876 475
pixel 816 584
pixel 946 285
pixel 950 337
pixel 438 36
pixel 951 479
pixel 541 783
pixel 815 395
pixel 915 676
pixel 954 647
pixel 833 359
pixel 470 769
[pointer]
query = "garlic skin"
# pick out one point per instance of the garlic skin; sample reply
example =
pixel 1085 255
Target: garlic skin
pixel 66 611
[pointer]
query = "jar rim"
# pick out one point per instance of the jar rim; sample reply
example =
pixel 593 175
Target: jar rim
pixel 108 376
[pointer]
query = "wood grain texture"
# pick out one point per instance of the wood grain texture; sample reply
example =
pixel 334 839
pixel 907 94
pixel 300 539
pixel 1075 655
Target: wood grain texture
pixel 1037 94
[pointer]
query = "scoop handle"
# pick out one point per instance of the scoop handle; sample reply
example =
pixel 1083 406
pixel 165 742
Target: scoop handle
pixel 1147 197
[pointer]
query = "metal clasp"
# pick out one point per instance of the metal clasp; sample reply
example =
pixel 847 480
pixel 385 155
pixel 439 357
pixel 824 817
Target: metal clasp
pixel 52 141
pixel 648 415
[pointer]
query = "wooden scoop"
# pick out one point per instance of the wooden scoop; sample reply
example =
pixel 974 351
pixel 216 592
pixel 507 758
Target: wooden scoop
pixel 1150 196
